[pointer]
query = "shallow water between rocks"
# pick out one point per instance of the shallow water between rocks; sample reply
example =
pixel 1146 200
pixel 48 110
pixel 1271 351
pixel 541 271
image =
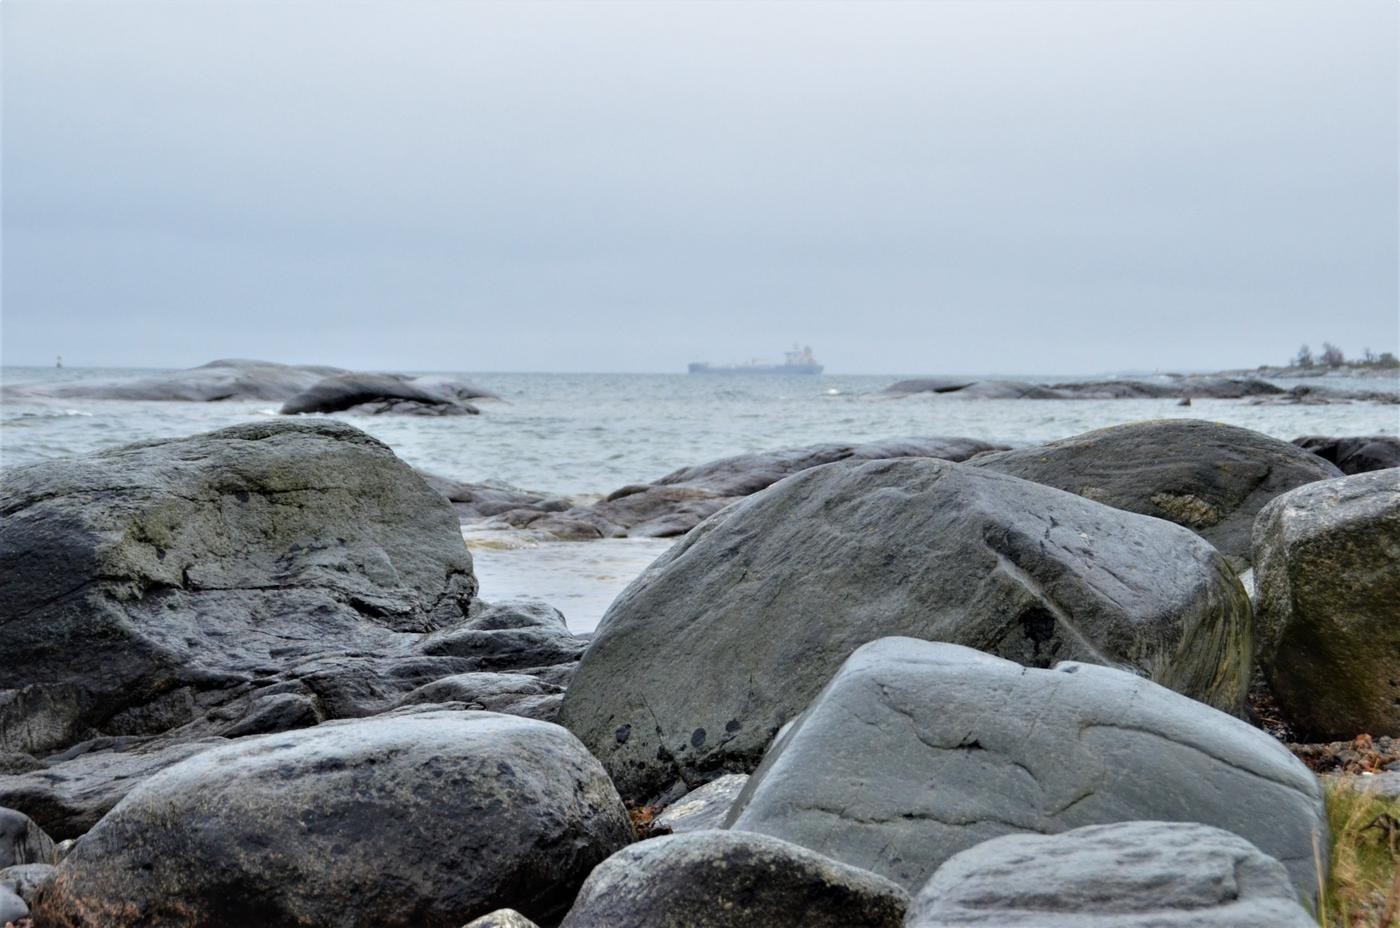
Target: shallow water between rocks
pixel 584 435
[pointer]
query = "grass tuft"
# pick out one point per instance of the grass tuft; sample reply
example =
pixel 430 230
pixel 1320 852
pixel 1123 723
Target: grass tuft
pixel 1362 888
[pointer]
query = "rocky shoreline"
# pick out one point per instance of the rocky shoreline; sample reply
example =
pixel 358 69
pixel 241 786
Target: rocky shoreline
pixel 923 682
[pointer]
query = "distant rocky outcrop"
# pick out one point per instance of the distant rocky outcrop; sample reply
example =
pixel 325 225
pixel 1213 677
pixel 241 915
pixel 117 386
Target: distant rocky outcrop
pixel 1176 387
pixel 730 633
pixel 918 750
pixel 376 394
pixel 227 379
pixel 1354 454
pixel 303 388
pixel 1327 574
pixel 1208 477
pixel 681 500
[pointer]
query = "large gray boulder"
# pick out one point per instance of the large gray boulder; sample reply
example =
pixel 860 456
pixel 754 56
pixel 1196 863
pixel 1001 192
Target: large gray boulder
pixel 1354 454
pixel 381 393
pixel 681 500
pixel 425 820
pixel 918 750
pixel 146 586
pixel 1211 478
pixel 1327 579
pixel 1157 874
pixel 225 379
pixel 722 879
pixel 22 841
pixel 733 631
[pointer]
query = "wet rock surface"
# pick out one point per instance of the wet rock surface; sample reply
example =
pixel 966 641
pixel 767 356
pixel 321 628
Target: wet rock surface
pixel 917 750
pixel 721 879
pixel 1354 454
pixel 1327 582
pixel 426 820
pixel 152 584
pixel 1167 875
pixel 1208 477
pixel 736 628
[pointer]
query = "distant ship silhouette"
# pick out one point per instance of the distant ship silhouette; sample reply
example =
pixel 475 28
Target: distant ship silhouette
pixel 797 361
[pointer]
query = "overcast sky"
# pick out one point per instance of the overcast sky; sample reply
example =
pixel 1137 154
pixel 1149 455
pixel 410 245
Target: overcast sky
pixel 1067 187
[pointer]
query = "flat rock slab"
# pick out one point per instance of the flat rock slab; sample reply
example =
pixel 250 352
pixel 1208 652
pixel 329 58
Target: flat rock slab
pixel 916 751
pixel 1208 477
pixel 1143 874
pixel 732 632
pixel 721 879
pixel 422 820
pixel 699 809
pixel 1327 596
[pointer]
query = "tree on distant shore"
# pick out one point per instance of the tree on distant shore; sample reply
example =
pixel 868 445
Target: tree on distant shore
pixel 1304 357
pixel 1332 355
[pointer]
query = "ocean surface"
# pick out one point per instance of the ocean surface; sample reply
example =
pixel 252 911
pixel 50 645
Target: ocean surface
pixel 584 435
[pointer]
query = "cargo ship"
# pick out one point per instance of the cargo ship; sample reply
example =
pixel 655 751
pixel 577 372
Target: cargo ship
pixel 796 361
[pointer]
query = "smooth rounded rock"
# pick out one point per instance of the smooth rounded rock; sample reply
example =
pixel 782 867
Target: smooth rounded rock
pixel 733 631
pixel 721 879
pixel 424 820
pixel 1208 477
pixel 12 907
pixel 22 841
pixel 1327 592
pixel 918 750
pixel 1128 875
pixel 502 918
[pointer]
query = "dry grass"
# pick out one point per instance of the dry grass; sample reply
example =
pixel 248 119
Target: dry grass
pixel 1362 889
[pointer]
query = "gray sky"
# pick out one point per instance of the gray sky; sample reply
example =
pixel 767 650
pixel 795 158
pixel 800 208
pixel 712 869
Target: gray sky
pixel 908 187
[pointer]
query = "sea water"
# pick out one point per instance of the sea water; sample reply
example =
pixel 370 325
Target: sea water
pixel 584 435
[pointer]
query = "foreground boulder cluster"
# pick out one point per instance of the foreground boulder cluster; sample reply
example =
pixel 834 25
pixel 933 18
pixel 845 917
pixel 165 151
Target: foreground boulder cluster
pixel 250 681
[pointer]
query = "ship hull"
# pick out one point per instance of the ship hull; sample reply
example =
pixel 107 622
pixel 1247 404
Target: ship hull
pixel 700 368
